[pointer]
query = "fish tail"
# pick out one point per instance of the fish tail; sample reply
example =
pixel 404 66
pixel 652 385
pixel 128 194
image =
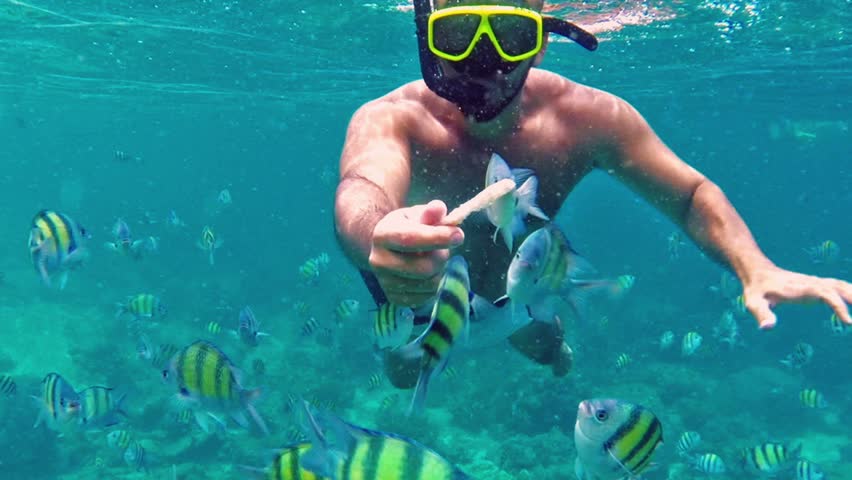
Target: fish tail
pixel 418 402
pixel 257 418
pixel 508 233
pixel 527 193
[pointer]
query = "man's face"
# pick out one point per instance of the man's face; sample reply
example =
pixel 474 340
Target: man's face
pixel 500 77
pixel 483 83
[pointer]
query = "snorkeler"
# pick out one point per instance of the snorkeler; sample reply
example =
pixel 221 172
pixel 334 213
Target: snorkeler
pixel 480 94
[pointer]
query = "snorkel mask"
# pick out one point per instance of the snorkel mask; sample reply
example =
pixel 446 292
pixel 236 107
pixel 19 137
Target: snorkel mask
pixel 482 45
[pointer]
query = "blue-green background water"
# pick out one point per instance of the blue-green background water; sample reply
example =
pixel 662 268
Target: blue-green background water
pixel 255 97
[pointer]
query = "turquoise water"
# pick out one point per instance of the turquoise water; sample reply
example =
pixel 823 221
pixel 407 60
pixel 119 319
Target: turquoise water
pixel 254 97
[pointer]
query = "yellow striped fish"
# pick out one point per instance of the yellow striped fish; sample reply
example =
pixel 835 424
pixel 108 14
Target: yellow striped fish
pixel 543 276
pixel 614 439
pixel 769 458
pixel 812 398
pixel 143 305
pixel 119 439
pixel 449 320
pixel 56 244
pixel 7 386
pixel 286 465
pixel 392 325
pixel 99 408
pixel 341 450
pixel 60 403
pixel 209 382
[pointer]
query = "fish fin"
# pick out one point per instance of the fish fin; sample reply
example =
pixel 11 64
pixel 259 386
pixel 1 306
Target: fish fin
pixel 42 271
pixel 418 401
pixel 63 280
pixel 257 419
pixel 579 471
pixel 74 258
pixel 249 397
pixel 201 420
pixel 111 246
pixel 526 194
pixel 331 438
pixel 517 227
pixel 41 413
pixel 240 418
pixel 508 236
pixel 494 322
pixel 520 175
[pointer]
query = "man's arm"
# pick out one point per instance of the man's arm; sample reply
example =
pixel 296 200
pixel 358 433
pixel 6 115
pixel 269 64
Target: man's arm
pixel 374 176
pixel 643 162
pixel 640 159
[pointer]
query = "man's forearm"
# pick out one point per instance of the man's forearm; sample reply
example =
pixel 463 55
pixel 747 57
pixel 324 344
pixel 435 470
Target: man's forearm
pixel 358 207
pixel 719 230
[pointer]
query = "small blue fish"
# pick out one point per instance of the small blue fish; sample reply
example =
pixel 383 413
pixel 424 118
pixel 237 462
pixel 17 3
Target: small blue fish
pixel 249 328
pixel 173 220
pixel 123 240
pixel 508 212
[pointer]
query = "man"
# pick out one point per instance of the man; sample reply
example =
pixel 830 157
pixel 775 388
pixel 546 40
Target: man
pixel 432 139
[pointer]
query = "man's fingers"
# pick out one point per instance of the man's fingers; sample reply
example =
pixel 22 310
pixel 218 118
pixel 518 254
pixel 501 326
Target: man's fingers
pixel 420 238
pixel 836 302
pixel 434 212
pixel 762 312
pixel 845 289
pixel 415 266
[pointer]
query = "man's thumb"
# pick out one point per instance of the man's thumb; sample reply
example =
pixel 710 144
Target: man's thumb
pixel 434 213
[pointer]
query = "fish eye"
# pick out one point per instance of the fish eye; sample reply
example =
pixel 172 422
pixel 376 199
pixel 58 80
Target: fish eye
pixel 601 415
pixel 165 374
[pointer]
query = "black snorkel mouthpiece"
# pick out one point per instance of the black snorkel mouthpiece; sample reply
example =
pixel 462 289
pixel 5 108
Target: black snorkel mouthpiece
pixel 469 96
pixel 431 71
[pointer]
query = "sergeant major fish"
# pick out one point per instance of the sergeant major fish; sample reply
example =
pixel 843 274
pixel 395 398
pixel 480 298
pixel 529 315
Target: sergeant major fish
pixel 339 450
pixel 543 276
pixel 59 403
pixel 614 439
pixel 448 322
pixel 142 305
pixel 99 408
pixel 56 244
pixel 209 383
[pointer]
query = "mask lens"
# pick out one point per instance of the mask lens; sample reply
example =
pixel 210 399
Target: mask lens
pixel 453 34
pixel 516 34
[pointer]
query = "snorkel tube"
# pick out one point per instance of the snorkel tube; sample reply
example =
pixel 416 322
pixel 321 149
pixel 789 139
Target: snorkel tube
pixel 429 67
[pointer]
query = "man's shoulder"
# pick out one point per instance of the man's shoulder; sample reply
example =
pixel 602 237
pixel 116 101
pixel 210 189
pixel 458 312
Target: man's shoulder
pixel 411 94
pixel 554 88
pixel 570 100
